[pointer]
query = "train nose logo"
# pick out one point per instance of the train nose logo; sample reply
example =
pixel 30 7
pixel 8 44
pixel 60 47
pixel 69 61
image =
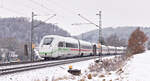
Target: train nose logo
pixel 45 54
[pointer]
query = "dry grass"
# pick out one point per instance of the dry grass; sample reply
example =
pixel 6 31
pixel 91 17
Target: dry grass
pixel 117 79
pixel 108 64
pixel 60 78
pixel 94 74
pixel 82 79
pixel 36 80
pixel 119 72
pixel 102 76
pixel 109 73
pixel 72 77
pixel 46 79
pixel 40 80
pixel 89 76
pixel 103 80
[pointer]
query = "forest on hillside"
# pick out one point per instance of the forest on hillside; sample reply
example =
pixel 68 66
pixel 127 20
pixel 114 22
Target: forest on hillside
pixel 20 28
pixel 121 34
pixel 16 32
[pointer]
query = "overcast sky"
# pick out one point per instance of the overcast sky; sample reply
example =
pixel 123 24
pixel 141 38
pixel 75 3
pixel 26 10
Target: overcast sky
pixel 114 12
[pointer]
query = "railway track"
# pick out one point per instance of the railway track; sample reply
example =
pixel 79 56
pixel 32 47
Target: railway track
pixel 19 67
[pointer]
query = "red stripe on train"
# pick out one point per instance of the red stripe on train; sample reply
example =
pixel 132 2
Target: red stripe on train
pixel 74 49
pixel 80 49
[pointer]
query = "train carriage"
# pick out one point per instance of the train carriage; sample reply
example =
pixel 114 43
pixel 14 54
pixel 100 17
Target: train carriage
pixel 85 48
pixel 53 46
pixel 56 46
pixel 112 50
pixel 121 50
pixel 102 50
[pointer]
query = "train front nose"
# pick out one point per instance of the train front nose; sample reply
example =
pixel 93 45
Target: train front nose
pixel 45 52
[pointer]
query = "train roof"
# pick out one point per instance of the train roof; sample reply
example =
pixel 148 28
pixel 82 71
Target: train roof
pixel 53 36
pixel 121 47
pixel 68 39
pixel 85 42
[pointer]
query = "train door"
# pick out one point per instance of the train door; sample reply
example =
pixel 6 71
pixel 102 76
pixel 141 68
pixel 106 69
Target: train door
pixel 94 50
pixel 65 50
pixel 79 48
pixel 61 49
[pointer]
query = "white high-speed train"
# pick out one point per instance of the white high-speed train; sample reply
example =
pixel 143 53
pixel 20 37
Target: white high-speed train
pixel 54 46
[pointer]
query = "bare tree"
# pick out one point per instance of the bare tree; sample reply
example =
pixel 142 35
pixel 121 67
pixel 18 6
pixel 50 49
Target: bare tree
pixel 136 42
pixel 114 40
pixel 148 45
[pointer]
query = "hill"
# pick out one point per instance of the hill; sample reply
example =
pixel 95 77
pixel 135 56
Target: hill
pixel 16 32
pixel 20 28
pixel 121 32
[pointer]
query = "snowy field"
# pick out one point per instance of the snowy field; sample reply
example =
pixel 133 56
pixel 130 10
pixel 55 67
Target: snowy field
pixel 41 74
pixel 136 69
pixel 47 73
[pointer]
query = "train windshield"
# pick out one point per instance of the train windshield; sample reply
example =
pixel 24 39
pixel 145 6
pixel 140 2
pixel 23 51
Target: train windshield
pixel 47 41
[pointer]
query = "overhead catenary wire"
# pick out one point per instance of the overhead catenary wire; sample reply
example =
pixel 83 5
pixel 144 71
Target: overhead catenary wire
pixel 80 23
pixel 62 8
pixel 13 11
pixel 45 20
pixel 37 10
pixel 10 10
pixel 49 11
pixel 88 20
pixel 35 2
pixel 59 14
pixel 71 11
pixel 68 10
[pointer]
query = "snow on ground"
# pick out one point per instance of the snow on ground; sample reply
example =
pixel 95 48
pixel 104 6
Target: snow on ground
pixel 41 74
pixel 48 73
pixel 138 68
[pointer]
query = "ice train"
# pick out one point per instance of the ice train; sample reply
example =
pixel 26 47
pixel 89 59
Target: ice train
pixel 54 46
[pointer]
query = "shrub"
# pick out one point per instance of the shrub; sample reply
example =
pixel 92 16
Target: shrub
pixel 89 76
pixel 136 42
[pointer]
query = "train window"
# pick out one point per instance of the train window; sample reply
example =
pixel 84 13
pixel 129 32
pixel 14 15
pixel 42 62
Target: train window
pixel 86 47
pixel 71 45
pixel 75 46
pixel 47 41
pixel 60 44
pixel 68 45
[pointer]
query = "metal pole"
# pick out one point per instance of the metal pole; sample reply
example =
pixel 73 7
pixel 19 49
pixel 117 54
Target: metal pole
pixel 99 26
pixel 100 36
pixel 32 23
pixel 100 30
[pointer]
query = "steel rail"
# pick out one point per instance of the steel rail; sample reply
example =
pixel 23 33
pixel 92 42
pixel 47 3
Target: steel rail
pixel 37 66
